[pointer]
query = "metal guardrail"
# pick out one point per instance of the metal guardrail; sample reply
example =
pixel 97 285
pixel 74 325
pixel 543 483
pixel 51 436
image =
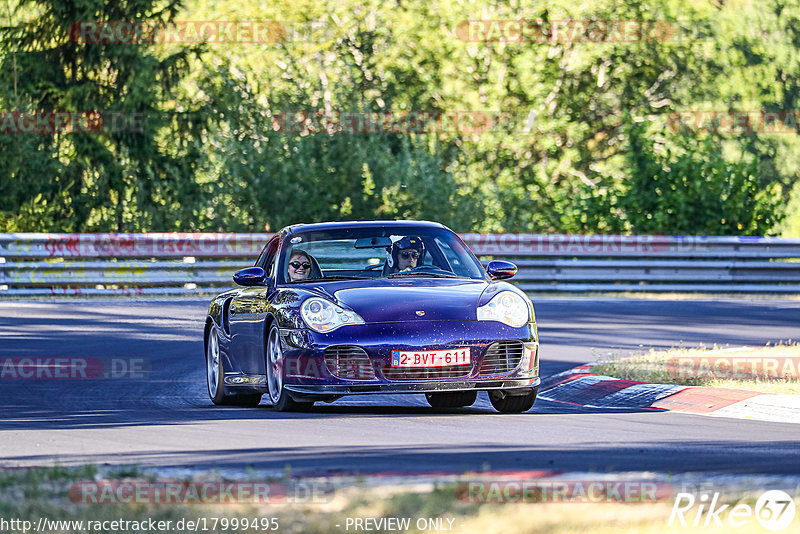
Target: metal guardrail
pixel 577 263
pixel 175 263
pixel 127 264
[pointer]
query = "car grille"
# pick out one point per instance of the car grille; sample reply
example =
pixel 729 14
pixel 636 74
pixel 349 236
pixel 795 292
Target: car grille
pixel 501 357
pixel 426 373
pixel 349 361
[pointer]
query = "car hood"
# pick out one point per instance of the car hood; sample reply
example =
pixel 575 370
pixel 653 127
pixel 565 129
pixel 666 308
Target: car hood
pixel 415 299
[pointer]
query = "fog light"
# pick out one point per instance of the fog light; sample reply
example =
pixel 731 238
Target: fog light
pixel 529 354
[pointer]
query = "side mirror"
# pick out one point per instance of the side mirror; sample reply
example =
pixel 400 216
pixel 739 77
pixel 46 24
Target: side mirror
pixel 501 270
pixel 252 276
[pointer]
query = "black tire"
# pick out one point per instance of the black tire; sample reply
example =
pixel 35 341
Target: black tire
pixel 513 404
pixel 452 399
pixel 215 376
pixel 281 400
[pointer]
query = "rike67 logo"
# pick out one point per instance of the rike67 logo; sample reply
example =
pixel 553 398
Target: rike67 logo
pixel 774 510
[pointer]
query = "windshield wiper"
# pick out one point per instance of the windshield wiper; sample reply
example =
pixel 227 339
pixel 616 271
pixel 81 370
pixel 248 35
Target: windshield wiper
pixel 339 277
pixel 331 278
pixel 420 274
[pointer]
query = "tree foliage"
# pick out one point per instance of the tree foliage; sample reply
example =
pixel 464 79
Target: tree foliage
pixel 690 188
pixel 135 172
pixel 580 140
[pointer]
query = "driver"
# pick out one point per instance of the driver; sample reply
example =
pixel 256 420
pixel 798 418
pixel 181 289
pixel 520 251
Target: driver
pixel 407 253
pixel 299 266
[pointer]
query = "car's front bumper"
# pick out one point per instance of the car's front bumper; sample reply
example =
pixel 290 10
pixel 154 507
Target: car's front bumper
pixel 307 371
pixel 520 386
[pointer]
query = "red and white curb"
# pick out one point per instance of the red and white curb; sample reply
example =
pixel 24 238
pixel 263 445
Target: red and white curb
pixel 579 386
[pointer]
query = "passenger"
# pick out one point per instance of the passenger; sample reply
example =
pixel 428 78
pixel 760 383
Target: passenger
pixel 406 254
pixel 299 266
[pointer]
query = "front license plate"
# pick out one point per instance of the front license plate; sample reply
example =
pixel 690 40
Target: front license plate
pixel 430 358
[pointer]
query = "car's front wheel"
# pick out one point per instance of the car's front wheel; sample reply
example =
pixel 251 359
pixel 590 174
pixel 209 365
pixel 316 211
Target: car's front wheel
pixel 506 403
pixel 215 376
pixel 451 399
pixel 280 398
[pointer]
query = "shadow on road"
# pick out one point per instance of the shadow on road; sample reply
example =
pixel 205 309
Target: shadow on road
pixel 669 457
pixel 200 411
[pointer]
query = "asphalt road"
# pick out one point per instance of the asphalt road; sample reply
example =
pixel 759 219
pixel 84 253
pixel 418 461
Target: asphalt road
pixel 161 416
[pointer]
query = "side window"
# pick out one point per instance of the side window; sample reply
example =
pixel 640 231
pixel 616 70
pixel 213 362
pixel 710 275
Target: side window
pixel 267 259
pixel 270 265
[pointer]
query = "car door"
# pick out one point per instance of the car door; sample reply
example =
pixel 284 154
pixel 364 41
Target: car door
pixel 247 314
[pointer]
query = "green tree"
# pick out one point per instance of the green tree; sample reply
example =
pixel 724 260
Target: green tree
pixel 280 176
pixel 689 188
pixel 134 174
pixel 558 160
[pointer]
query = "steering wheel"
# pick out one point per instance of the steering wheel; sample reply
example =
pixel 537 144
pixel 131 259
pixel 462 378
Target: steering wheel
pixel 373 267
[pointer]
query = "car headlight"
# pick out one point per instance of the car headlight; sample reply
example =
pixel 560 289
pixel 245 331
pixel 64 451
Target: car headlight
pixel 324 316
pixel 506 307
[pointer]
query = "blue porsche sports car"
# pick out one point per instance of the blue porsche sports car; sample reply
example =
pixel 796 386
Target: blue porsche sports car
pixel 347 308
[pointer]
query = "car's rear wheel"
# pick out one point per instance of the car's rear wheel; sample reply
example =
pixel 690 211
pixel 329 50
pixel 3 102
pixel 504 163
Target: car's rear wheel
pixel 281 400
pixel 215 376
pixel 451 399
pixel 506 403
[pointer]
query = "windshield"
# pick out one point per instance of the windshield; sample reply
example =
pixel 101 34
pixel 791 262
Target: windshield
pixel 378 252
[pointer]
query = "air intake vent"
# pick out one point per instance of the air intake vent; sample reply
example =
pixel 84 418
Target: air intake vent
pixel 349 361
pixel 501 358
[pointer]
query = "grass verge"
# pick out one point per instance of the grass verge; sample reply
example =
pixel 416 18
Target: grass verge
pixel 769 369
pixel 29 494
